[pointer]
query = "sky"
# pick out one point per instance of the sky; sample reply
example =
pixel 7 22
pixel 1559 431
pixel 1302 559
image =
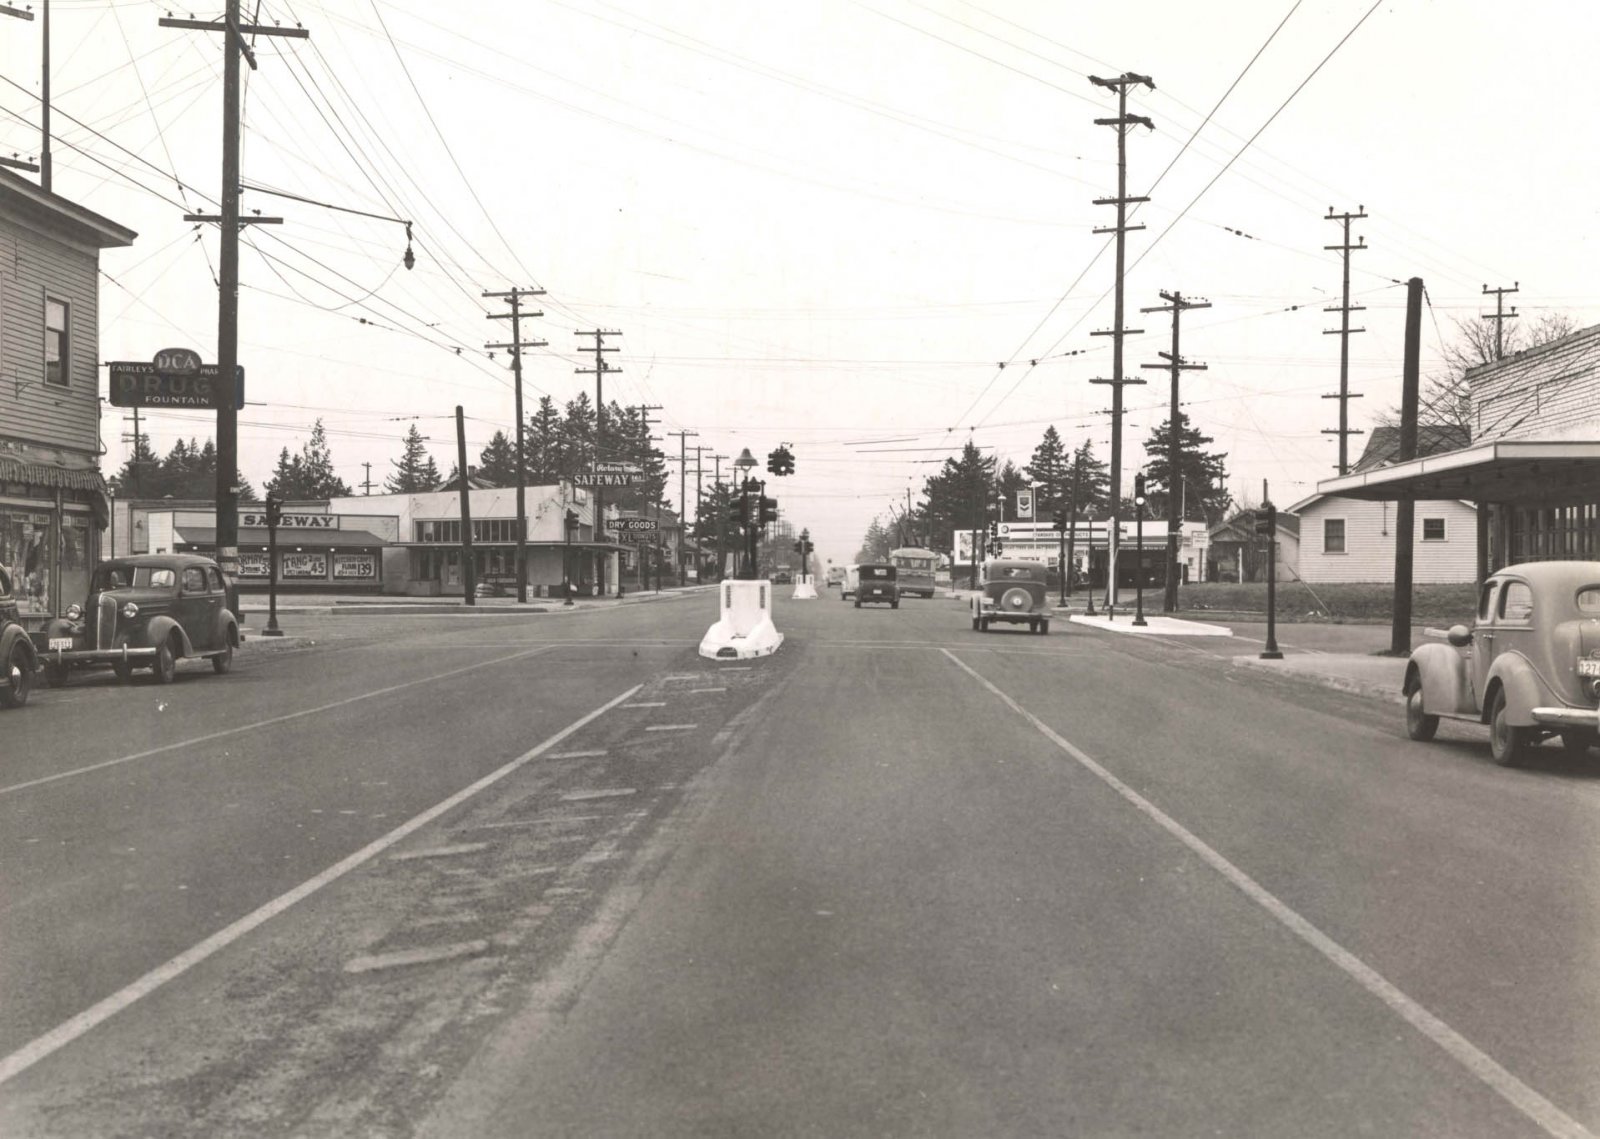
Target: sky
pixel 827 225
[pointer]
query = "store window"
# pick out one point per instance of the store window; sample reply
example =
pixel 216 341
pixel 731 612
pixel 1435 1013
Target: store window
pixel 57 342
pixel 30 562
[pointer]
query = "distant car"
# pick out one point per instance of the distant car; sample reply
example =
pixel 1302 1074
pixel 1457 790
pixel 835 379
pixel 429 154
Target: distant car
pixel 17 656
pixel 836 576
pixel 876 585
pixel 1013 592
pixel 847 587
pixel 149 610
pixel 782 577
pixel 1532 665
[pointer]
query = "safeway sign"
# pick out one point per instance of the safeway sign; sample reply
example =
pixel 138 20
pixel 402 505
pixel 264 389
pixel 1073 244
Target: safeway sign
pixel 612 474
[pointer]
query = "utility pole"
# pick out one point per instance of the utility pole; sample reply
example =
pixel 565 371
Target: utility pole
pixel 699 499
pixel 1344 309
pixel 1500 315
pixel 722 519
pixel 683 512
pixel 366 483
pixel 1121 123
pixel 137 451
pixel 1405 508
pixel 1176 304
pixel 599 372
pixel 42 167
pixel 645 423
pixel 469 569
pixel 234 46
pixel 516 345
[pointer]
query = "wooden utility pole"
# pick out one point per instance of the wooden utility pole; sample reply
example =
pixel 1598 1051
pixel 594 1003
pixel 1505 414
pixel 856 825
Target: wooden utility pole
pixel 133 467
pixel 722 519
pixel 599 372
pixel 469 571
pixel 1501 316
pixel 1405 508
pixel 234 47
pixel 1176 304
pixel 1121 124
pixel 645 423
pixel 1344 395
pixel 516 345
pixel 366 483
pixel 683 512
pixel 42 167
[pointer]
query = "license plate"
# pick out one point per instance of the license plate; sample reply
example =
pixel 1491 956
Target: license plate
pixel 1589 668
pixel 65 644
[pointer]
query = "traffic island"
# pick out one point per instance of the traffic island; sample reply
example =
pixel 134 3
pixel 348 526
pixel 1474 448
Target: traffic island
pixel 745 628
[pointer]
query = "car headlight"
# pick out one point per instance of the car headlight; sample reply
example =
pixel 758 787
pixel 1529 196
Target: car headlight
pixel 74 612
pixel 130 610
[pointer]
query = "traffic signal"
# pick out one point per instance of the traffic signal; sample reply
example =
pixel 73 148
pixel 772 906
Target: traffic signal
pixel 1138 489
pixel 1267 520
pixel 769 510
pixel 739 511
pixel 274 511
pixel 1061 521
pixel 781 460
pixel 800 548
pixel 572 520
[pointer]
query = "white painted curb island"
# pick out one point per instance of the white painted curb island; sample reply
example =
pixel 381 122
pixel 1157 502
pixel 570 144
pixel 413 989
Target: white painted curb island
pixel 806 590
pixel 745 629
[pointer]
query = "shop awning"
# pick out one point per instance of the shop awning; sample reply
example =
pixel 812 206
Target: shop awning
pixel 1525 472
pixel 287 539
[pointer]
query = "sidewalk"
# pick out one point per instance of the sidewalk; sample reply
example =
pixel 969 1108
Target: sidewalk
pixel 256 604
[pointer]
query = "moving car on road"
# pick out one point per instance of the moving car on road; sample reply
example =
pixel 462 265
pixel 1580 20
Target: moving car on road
pixel 847 584
pixel 150 610
pixel 1013 592
pixel 876 584
pixel 18 661
pixel 1532 665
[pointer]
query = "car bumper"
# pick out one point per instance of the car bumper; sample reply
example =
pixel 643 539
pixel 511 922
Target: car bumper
pixel 1568 717
pixel 95 656
pixel 1014 616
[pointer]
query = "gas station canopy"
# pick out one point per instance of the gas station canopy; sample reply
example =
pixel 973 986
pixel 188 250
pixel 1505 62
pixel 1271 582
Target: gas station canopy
pixel 1527 473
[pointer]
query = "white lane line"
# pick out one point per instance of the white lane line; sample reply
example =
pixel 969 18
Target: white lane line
pixel 578 754
pixel 440 851
pixel 1544 1113
pixel 285 718
pixel 63 1034
pixel 416 956
pixel 647 704
pixel 681 676
pixel 699 691
pixel 671 727
pixel 606 793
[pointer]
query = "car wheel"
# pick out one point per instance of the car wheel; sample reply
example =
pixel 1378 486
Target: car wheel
pixel 1508 744
pixel 983 624
pixel 1576 742
pixel 18 679
pixel 894 605
pixel 55 675
pixel 223 661
pixel 1044 628
pixel 974 624
pixel 165 668
pixel 858 603
pixel 123 669
pixel 1419 725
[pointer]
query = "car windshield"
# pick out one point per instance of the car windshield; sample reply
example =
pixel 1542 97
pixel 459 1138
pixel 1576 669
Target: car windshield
pixel 138 577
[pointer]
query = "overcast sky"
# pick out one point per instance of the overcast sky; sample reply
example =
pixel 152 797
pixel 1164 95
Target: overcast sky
pixel 825 224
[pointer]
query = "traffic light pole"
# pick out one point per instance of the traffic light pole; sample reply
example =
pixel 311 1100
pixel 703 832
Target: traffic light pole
pixel 1138 563
pixel 273 507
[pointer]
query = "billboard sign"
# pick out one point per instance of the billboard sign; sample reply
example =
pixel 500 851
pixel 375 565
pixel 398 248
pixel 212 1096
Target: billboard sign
pixel 135 383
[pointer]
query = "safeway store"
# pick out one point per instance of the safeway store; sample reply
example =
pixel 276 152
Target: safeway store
pixel 316 551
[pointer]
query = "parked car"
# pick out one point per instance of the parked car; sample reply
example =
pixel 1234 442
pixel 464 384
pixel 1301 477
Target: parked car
pixel 150 610
pixel 17 656
pixel 1531 665
pixel 836 576
pixel 1013 592
pixel 876 584
pixel 847 586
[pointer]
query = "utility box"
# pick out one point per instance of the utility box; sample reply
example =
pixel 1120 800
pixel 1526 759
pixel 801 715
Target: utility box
pixel 744 627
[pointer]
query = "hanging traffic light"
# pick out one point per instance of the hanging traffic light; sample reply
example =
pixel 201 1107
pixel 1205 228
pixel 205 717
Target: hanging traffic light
pixel 769 510
pixel 781 460
pixel 572 520
pixel 1138 489
pixel 1267 520
pixel 274 511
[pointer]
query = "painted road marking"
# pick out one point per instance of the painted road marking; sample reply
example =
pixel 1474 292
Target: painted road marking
pixel 1546 1114
pixel 578 754
pixel 63 1034
pixel 440 851
pixel 698 691
pixel 671 727
pixel 647 704
pixel 587 796
pixel 416 956
pixel 285 718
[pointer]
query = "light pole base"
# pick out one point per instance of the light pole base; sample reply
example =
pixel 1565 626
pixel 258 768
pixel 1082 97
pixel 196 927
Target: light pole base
pixel 272 632
pixel 1271 654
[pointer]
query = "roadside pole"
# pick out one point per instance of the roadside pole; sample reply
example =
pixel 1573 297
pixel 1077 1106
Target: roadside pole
pixel 274 512
pixel 1267 523
pixel 469 574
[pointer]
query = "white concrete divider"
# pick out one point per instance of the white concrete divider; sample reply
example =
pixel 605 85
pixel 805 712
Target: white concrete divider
pixel 745 628
pixel 806 589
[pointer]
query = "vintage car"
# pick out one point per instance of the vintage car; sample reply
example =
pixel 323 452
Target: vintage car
pixel 876 585
pixel 1531 668
pixel 835 577
pixel 1013 592
pixel 148 610
pixel 17 656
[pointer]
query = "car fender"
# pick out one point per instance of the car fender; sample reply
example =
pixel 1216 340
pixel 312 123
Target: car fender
pixel 162 627
pixel 1441 672
pixel 12 635
pixel 227 629
pixel 1524 693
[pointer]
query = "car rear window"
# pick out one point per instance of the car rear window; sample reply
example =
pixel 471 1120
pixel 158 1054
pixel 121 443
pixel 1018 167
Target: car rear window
pixel 1589 599
pixel 876 571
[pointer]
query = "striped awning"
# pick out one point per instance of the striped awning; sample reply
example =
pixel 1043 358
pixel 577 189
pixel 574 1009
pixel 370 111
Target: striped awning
pixel 43 474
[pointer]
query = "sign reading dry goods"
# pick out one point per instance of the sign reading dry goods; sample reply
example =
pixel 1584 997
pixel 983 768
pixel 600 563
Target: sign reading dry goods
pixel 634 525
pixel 175 378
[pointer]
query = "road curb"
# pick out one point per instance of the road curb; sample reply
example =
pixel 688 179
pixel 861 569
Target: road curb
pixel 1372 689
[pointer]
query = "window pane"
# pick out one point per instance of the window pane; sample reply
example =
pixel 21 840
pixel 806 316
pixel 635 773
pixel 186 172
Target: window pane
pixel 1333 535
pixel 55 341
pixel 1516 602
pixel 1433 529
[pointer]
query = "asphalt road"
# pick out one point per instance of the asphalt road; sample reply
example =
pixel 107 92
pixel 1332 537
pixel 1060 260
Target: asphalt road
pixel 558 875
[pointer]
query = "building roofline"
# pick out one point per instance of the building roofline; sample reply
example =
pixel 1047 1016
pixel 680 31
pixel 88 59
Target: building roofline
pixel 106 234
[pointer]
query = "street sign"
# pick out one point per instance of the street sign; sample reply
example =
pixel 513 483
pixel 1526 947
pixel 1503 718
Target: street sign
pixel 632 524
pixel 135 383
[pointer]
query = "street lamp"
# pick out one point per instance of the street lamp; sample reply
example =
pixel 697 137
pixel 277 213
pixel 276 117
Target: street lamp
pixel 566 557
pixel 1138 556
pixel 744 462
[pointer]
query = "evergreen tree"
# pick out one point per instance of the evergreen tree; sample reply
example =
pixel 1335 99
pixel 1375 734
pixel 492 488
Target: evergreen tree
pixel 286 481
pixel 140 476
pixel 1007 483
pixel 414 470
pixel 175 472
pixel 1051 472
pixel 960 497
pixel 316 467
pixel 577 437
pixel 1204 491
pixel 877 543
pixel 542 444
pixel 1088 483
pixel 497 463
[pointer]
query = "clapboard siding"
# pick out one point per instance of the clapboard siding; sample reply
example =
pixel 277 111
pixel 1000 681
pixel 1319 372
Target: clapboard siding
pixel 1370 542
pixel 1548 392
pixel 33 265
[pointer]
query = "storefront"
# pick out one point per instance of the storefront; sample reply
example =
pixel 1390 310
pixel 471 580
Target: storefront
pixel 317 552
pixel 50 523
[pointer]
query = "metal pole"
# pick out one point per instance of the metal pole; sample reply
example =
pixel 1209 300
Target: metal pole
pixel 469 572
pixel 272 629
pixel 1138 565
pixel 1271 652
